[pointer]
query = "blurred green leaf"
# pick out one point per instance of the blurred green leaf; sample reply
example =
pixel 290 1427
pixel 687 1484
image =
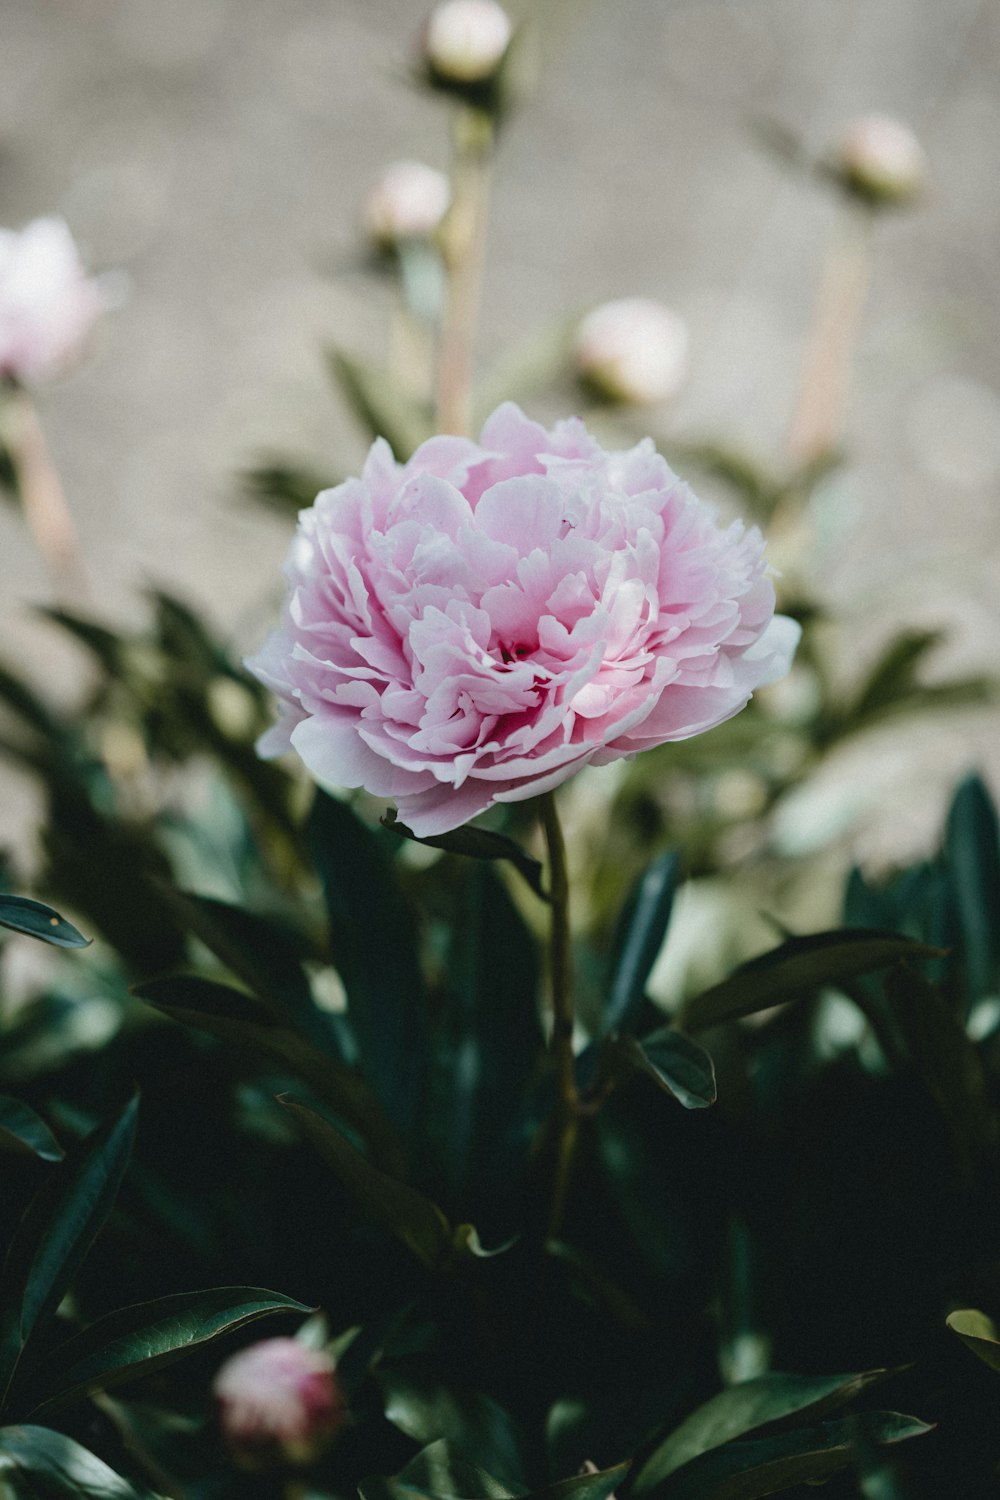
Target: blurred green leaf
pixel 797 967
pixel 37 1464
pixel 894 674
pixel 414 1219
pixel 742 1408
pixel 469 1421
pixel 764 1466
pixel 135 1341
pixel 55 1234
pixel 540 361
pixel 36 920
pixel 382 407
pixel 374 947
pixel 641 931
pixel 979 1333
pixel 478 843
pixel 675 1064
pixel 972 849
pixel 438 1470
pixel 108 649
pixel 22 1131
pixel 283 485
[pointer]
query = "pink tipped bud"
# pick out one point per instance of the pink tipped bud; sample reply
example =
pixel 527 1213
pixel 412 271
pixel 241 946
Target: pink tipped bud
pixel 278 1401
pixel 881 159
pixel 633 350
pixel 48 305
pixel 408 202
pixel 465 40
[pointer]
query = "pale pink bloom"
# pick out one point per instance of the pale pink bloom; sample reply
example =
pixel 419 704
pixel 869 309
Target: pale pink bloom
pixel 465 40
pixel 407 202
pixel 48 305
pixel 882 157
pixel 633 350
pixel 479 623
pixel 278 1399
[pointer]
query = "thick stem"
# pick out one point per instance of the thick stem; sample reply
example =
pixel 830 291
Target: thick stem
pixel 464 255
pixel 43 501
pixel 565 1114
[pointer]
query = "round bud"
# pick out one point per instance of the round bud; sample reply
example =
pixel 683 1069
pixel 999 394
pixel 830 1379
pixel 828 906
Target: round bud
pixel 465 40
pixel 278 1402
pixel 408 202
pixel 48 304
pixel 881 159
pixel 633 350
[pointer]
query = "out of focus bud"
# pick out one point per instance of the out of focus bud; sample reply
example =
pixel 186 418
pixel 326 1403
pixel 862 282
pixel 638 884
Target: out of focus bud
pixel 408 202
pixel 278 1402
pixel 465 41
pixel 48 305
pixel 633 351
pixel 881 160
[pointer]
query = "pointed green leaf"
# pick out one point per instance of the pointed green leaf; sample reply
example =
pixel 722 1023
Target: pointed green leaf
pixel 439 1473
pixel 37 1464
pixel 37 920
pixel 478 843
pixel 284 485
pixel 381 406
pixel 798 967
pixel 417 1221
pixel 22 1131
pixel 972 848
pixel 640 936
pixel 894 674
pixel 57 1231
pixel 135 1341
pixel 742 1408
pixel 675 1064
pixel 468 1420
pixel 979 1332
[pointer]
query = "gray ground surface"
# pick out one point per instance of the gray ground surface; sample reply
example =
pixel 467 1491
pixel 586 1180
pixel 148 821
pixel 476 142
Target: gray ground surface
pixel 216 152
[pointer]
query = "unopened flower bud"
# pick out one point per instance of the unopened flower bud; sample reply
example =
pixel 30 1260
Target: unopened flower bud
pixel 633 350
pixel 278 1401
pixel 881 159
pixel 465 40
pixel 408 202
pixel 48 305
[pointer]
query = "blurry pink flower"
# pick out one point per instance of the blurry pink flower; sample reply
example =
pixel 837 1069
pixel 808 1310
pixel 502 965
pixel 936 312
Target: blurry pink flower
pixel 478 624
pixel 882 159
pixel 465 40
pixel 633 350
pixel 48 304
pixel 278 1400
pixel 407 202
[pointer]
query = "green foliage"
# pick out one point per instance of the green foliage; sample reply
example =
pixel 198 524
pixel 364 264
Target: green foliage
pixel 20 914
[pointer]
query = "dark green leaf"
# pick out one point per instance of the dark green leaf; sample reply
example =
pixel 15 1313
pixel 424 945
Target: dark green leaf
pixel 383 409
pixel 133 1342
pixel 22 1131
pixel 675 1064
pixel 641 931
pixel 894 674
pixel 469 1421
pixel 37 920
pixel 742 1408
pixel 284 486
pixel 806 1455
pixel 57 1231
pixel 478 843
pixel 972 848
pixel 417 1221
pixel 980 1334
pixel 36 1464
pixel 105 646
pixel 438 1471
pixel 798 967
pixel 374 947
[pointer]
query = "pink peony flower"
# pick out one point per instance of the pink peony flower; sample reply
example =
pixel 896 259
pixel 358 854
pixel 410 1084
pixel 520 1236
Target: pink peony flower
pixel 479 623
pixel 278 1400
pixel 48 305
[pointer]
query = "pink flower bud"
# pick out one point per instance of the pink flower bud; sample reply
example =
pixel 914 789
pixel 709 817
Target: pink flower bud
pixel 278 1401
pixel 408 202
pixel 881 159
pixel 48 305
pixel 633 350
pixel 465 40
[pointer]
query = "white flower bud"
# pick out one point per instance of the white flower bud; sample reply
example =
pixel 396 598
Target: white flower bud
pixel 633 350
pixel 407 202
pixel 882 159
pixel 278 1401
pixel 48 305
pixel 465 40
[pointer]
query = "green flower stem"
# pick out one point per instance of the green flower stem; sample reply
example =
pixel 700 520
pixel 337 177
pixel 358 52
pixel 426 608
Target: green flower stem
pixel 464 252
pixel 565 1115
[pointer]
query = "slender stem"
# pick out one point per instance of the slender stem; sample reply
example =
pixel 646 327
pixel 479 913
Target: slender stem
pixel 464 254
pixel 565 1113
pixel 43 500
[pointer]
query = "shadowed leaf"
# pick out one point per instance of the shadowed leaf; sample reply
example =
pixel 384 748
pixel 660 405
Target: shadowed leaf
pixel 37 920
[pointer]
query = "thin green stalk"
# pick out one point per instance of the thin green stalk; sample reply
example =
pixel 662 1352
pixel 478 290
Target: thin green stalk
pixel 42 498
pixel 565 1116
pixel 465 248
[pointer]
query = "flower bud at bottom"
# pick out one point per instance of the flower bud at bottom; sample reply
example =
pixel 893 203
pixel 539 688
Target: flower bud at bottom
pixel 465 40
pixel 278 1401
pixel 633 350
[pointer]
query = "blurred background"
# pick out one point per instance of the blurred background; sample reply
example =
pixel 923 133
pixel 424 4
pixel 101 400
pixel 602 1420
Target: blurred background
pixel 213 156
